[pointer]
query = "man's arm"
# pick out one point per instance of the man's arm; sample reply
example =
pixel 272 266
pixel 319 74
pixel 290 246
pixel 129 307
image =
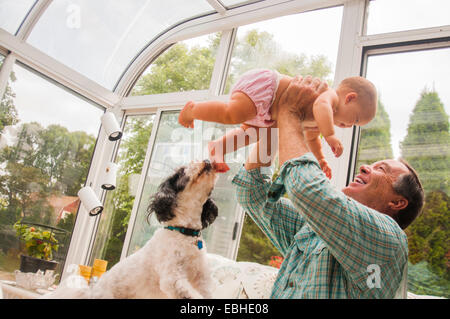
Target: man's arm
pixel 279 221
pixel 301 91
pixel 354 234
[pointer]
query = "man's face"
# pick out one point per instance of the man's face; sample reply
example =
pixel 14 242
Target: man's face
pixel 373 185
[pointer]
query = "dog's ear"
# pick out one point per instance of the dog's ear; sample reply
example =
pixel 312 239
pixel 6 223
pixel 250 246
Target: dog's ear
pixel 162 205
pixel 209 213
pixel 164 200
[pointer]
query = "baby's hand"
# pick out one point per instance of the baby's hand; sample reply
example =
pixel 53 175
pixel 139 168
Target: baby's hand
pixel 335 144
pixel 185 118
pixel 325 168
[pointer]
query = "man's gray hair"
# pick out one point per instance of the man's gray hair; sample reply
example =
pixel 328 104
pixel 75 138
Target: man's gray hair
pixel 409 186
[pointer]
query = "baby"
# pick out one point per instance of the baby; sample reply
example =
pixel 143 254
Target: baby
pixel 254 103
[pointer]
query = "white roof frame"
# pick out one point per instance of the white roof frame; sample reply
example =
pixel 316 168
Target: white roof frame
pixel 232 18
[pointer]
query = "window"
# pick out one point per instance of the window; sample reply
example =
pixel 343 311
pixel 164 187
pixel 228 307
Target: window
pixel 119 202
pixel 280 44
pixel 185 66
pixel 13 12
pixel 412 122
pixel 174 146
pixel 400 15
pixel 100 38
pixel 47 141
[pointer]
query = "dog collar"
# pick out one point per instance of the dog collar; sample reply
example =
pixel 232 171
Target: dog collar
pixel 185 231
pixel 188 232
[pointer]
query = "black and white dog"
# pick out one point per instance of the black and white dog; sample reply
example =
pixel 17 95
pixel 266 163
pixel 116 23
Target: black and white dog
pixel 173 263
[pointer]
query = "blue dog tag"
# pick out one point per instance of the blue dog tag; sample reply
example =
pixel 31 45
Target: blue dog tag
pixel 199 244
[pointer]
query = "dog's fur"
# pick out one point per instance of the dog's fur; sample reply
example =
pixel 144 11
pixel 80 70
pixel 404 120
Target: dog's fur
pixel 170 265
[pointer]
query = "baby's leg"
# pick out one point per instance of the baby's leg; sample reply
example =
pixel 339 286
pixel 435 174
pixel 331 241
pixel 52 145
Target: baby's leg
pixel 231 142
pixel 239 109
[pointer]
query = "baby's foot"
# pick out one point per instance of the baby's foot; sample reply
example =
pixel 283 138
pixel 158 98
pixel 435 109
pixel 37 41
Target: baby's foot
pixel 186 118
pixel 219 162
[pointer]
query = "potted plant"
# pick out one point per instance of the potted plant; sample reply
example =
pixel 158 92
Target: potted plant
pixel 40 245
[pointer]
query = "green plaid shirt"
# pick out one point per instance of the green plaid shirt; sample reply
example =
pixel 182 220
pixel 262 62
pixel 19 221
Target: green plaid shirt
pixel 330 242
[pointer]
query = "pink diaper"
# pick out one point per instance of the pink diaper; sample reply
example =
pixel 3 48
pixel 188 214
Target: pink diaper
pixel 261 87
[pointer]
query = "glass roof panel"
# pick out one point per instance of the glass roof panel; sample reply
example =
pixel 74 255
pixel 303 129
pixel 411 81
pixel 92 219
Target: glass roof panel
pixel 12 13
pixel 235 3
pixel 100 38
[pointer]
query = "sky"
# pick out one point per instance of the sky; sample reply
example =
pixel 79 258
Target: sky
pixel 399 77
pixel 41 101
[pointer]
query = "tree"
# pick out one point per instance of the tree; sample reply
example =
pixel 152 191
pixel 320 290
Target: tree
pixel 8 111
pixel 180 69
pixel 375 139
pixel 429 238
pixel 259 50
pixel 427 145
pixel 427 148
pixel 43 162
pixel 254 245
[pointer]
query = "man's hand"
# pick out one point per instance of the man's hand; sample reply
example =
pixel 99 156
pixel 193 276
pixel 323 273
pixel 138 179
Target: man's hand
pixel 301 92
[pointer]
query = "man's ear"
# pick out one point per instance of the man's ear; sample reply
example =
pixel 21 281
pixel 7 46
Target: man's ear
pixel 350 97
pixel 398 203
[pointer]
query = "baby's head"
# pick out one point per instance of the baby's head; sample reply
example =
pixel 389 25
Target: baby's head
pixel 357 102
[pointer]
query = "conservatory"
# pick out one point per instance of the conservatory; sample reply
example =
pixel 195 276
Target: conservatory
pixel 67 63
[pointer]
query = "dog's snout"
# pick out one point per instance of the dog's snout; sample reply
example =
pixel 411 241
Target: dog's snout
pixel 208 164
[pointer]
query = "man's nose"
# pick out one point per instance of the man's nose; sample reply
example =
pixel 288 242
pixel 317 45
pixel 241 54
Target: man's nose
pixel 365 169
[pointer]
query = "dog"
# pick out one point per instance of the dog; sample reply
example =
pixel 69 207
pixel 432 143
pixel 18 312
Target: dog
pixel 173 263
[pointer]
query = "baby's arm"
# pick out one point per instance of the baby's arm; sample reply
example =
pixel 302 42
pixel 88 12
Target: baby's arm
pixel 315 146
pixel 323 115
pixel 240 108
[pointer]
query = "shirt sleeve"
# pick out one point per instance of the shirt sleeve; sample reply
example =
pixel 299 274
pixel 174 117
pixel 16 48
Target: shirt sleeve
pixel 279 220
pixel 357 236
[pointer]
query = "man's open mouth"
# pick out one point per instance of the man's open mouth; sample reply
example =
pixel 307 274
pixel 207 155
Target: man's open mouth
pixel 359 180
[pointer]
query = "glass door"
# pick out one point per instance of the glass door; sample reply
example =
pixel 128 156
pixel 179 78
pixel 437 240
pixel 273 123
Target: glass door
pixel 171 146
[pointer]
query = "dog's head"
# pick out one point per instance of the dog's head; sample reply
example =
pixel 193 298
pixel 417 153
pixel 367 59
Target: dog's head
pixel 185 196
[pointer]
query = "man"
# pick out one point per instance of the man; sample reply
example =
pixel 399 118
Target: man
pixel 336 244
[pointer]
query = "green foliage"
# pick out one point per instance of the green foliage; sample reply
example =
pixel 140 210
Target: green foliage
pixel 422 281
pixel 254 245
pixel 180 69
pixel 39 243
pixel 67 222
pixel 427 148
pixel 375 139
pixel 427 144
pixel 428 236
pixel 8 112
pixel 260 50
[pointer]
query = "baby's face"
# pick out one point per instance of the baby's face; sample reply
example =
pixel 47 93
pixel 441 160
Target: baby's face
pixel 348 115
